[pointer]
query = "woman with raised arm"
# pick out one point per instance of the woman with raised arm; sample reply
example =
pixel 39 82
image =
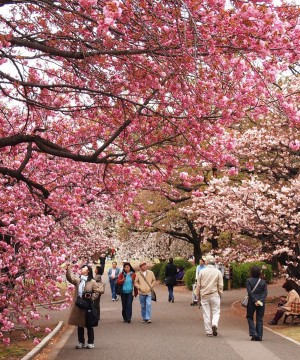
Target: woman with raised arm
pixel 86 288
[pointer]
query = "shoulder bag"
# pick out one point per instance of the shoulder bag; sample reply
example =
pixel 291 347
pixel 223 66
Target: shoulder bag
pixel 153 294
pixel 244 302
pixel 91 316
pixel 84 302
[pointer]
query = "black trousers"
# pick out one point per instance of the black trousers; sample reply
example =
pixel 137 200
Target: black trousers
pixel 255 329
pixel 90 333
pixel 126 306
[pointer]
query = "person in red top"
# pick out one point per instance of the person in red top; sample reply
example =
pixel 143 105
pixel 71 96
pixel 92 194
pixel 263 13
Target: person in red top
pixel 126 279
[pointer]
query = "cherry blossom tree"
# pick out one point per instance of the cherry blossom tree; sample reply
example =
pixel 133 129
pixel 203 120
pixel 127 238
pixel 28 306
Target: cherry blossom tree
pixel 103 98
pixel 259 196
pixel 151 246
pixel 161 212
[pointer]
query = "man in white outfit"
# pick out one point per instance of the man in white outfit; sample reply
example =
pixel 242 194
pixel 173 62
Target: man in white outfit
pixel 210 287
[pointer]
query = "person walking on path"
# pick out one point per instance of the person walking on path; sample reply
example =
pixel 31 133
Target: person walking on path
pixel 209 289
pixel 98 279
pixel 285 305
pixel 257 293
pixel 170 278
pixel 126 279
pixel 113 274
pixel 85 287
pixel 200 267
pixel 144 281
pixel 102 259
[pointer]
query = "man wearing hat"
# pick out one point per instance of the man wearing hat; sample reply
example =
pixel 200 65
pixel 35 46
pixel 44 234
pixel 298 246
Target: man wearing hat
pixel 209 288
pixel 144 281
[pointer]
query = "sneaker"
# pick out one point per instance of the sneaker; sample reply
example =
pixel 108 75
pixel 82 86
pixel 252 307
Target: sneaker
pixel 149 321
pixel 209 335
pixel 90 346
pixel 272 322
pixel 113 299
pixel 80 346
pixel 144 321
pixel 116 299
pixel 215 330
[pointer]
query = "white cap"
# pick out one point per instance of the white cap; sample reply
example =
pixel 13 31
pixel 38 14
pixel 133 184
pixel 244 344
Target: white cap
pixel 210 259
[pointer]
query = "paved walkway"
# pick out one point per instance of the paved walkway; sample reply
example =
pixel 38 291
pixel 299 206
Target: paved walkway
pixel 177 332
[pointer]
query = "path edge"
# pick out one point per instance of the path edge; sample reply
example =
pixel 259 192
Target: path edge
pixel 44 342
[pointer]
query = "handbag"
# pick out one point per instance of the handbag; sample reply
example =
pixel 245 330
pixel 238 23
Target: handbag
pixel 244 302
pixel 91 316
pixel 119 289
pixel 83 303
pixel 153 294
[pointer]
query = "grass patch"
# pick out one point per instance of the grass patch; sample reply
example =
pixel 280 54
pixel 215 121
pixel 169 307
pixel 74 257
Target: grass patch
pixel 292 332
pixel 14 352
pixel 19 347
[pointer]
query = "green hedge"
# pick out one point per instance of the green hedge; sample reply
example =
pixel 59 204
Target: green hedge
pixel 156 269
pixel 241 272
pixel 189 277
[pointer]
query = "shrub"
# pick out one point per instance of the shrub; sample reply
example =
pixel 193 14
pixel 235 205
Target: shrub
pixel 183 263
pixel 241 272
pixel 156 269
pixel 189 277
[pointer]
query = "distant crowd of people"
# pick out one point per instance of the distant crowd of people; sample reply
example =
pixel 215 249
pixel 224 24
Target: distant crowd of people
pixel 208 289
pixel 87 287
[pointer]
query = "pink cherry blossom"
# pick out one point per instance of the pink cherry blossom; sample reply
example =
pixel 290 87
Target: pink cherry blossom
pixel 36 341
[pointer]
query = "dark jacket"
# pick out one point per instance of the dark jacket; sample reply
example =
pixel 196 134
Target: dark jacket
pixel 260 292
pixel 170 274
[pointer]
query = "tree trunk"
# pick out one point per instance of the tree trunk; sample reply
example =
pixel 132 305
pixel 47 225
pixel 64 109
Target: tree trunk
pixel 214 243
pixel 197 252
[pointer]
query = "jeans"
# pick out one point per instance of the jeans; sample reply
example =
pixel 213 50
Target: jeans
pixel 170 289
pixel 127 305
pixel 211 312
pixel 90 332
pixel 146 306
pixel 260 311
pixel 113 288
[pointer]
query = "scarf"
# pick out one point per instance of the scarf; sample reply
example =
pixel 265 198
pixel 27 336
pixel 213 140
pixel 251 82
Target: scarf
pixel 81 286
